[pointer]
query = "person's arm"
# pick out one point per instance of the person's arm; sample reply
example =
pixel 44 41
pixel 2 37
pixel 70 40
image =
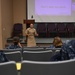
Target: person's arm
pixel 20 45
pixel 36 34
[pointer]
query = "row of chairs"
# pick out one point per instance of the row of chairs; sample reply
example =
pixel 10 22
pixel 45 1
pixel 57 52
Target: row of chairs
pixel 47 29
pixel 56 29
pixel 33 54
pixel 39 68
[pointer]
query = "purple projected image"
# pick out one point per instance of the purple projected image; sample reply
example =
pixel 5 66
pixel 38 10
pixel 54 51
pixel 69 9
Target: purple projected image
pixel 73 6
pixel 53 7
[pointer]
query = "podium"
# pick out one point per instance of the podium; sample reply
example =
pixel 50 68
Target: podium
pixel 28 22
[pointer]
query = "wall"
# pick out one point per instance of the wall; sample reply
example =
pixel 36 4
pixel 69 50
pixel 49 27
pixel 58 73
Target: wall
pixel 7 19
pixel 19 12
pixel 1 44
pixel 11 11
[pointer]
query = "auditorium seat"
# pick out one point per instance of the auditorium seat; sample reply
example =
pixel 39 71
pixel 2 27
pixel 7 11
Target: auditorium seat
pixel 17 30
pixel 33 48
pixel 62 30
pixel 41 29
pixel 37 55
pixel 66 67
pixel 54 50
pixel 51 28
pixel 71 29
pixel 13 54
pixel 57 51
pixel 8 68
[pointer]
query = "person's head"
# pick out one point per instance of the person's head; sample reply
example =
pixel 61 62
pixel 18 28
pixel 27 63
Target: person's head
pixel 16 40
pixel 31 25
pixel 57 41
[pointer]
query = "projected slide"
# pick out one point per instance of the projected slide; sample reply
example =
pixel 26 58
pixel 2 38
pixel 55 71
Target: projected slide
pixel 51 10
pixel 53 7
pixel 73 6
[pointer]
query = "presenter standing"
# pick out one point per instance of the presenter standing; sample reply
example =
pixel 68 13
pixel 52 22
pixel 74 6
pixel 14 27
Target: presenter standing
pixel 31 33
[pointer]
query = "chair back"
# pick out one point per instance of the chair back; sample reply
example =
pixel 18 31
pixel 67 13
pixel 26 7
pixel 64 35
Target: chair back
pixel 37 55
pixel 48 68
pixel 8 68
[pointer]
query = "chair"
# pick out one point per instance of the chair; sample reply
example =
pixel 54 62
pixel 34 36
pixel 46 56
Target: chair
pixel 37 55
pixel 41 29
pixel 62 30
pixel 13 55
pixel 17 30
pixel 8 68
pixel 57 51
pixel 71 29
pixel 51 28
pixel 48 68
pixel 33 49
pixel 54 50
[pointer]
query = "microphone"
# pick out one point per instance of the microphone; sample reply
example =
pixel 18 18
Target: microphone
pixel 32 16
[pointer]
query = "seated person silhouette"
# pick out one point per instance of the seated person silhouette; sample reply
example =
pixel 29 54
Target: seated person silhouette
pixel 57 43
pixel 16 44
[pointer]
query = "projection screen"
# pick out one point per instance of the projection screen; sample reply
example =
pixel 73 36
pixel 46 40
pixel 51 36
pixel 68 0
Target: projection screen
pixel 51 10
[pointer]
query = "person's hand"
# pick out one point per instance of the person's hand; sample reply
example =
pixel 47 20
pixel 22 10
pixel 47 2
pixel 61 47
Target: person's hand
pixel 28 34
pixel 36 35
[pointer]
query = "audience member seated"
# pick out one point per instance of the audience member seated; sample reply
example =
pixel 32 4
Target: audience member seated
pixel 57 43
pixel 67 51
pixel 3 57
pixel 16 44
